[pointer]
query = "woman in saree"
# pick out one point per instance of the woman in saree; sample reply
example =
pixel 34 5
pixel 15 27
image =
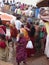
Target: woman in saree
pixel 21 54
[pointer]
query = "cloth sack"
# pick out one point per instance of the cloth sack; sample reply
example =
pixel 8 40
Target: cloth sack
pixel 29 44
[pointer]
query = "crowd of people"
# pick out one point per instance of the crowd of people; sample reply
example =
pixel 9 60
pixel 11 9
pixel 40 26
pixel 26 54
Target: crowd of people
pixel 27 35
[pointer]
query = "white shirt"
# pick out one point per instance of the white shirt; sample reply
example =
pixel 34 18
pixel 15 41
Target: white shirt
pixel 8 32
pixel 18 24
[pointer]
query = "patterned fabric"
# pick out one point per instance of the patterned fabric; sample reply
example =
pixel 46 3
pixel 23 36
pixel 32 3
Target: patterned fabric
pixel 21 50
pixel 3 27
pixel 24 31
pixel 2 31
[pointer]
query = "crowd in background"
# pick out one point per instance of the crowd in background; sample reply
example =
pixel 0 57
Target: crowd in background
pixel 28 27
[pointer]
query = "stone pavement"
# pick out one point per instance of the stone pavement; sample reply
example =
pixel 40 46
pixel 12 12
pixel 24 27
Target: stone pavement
pixel 31 61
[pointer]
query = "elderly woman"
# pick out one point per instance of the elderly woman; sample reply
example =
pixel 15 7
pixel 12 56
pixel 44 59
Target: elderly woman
pixel 21 54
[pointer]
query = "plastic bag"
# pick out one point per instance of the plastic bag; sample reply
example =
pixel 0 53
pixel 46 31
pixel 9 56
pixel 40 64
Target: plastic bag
pixel 29 44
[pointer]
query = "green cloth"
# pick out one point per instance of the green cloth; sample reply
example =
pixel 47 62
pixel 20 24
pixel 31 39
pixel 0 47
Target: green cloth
pixel 41 34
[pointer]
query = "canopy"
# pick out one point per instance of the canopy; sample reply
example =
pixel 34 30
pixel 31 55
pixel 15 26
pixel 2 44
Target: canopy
pixel 6 17
pixel 44 3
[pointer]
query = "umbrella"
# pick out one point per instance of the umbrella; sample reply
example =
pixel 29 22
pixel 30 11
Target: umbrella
pixel 6 17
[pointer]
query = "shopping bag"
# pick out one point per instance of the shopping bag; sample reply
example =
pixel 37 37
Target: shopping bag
pixel 29 44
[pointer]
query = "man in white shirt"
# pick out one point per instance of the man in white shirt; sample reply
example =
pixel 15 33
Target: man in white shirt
pixel 18 23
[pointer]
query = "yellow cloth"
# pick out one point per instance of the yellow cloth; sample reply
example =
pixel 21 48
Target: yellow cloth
pixel 18 11
pixel 47 27
pixel 22 30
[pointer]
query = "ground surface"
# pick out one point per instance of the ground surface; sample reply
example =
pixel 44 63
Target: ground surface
pixel 31 61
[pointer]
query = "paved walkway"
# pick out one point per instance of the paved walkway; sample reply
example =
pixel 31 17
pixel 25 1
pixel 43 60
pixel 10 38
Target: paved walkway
pixel 31 61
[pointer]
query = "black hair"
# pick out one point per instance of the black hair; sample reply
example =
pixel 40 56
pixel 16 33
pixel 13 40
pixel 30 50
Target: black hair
pixel 22 26
pixel 32 31
pixel 2 36
pixel 0 21
pixel 10 40
pixel 18 17
pixel 37 23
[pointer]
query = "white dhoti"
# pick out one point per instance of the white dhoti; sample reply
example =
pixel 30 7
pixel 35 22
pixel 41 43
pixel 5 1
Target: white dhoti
pixel 47 46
